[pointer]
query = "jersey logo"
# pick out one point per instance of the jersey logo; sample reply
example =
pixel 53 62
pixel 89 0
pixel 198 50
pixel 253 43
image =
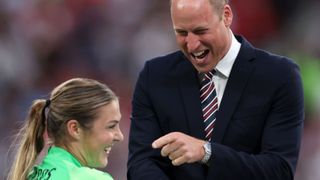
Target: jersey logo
pixel 41 174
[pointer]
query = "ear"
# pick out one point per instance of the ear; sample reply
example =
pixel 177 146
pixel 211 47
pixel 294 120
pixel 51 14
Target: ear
pixel 74 129
pixel 227 15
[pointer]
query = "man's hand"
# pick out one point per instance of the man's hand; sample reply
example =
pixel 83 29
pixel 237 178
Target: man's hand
pixel 180 148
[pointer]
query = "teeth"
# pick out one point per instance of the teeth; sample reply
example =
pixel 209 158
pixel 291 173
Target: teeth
pixel 197 54
pixel 107 149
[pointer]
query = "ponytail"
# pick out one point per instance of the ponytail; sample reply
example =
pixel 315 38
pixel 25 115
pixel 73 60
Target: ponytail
pixel 29 141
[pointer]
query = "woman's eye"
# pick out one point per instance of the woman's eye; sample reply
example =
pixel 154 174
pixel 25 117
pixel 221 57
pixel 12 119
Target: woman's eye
pixel 111 127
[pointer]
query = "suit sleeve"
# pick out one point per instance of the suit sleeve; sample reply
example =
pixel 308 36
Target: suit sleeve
pixel 143 162
pixel 280 139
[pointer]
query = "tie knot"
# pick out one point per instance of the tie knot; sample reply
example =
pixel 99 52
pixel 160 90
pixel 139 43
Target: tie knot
pixel 207 76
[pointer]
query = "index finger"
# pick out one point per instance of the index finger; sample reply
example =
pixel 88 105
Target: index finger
pixel 164 140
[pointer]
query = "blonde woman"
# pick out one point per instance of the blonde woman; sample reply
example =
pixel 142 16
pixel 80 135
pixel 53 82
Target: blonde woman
pixel 82 120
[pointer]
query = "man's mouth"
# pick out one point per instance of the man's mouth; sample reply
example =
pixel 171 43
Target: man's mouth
pixel 200 55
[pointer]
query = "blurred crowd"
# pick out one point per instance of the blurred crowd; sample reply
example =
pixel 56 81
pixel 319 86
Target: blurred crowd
pixel 45 42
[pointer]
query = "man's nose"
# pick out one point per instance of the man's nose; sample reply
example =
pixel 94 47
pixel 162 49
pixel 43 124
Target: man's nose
pixel 192 42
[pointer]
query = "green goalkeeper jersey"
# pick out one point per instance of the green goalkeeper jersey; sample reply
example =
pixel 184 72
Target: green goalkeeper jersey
pixel 59 164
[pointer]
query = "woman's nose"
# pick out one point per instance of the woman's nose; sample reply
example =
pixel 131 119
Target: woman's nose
pixel 119 135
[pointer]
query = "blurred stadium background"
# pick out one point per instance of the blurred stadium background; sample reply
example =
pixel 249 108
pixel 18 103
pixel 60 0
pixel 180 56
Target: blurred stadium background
pixel 45 42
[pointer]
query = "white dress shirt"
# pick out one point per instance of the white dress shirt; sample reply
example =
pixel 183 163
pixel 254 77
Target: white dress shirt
pixel 224 66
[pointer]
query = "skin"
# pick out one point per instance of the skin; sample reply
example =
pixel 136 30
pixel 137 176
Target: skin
pixel 92 147
pixel 198 28
pixel 180 148
pixel 204 37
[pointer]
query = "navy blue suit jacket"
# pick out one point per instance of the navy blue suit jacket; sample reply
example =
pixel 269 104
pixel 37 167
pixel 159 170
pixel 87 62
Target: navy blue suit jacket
pixel 258 128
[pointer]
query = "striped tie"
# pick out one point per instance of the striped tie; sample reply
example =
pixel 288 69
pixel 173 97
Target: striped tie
pixel 209 103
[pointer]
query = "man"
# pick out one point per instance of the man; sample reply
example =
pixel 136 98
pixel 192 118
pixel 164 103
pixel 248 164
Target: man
pixel 253 127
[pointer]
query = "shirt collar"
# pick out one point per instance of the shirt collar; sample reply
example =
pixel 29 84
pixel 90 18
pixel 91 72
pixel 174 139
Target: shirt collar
pixel 224 66
pixel 58 153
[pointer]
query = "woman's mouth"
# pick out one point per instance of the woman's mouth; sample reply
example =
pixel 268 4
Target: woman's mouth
pixel 107 150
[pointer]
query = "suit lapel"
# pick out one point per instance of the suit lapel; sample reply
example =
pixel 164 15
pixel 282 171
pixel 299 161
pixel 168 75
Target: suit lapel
pixel 189 90
pixel 238 78
pixel 186 77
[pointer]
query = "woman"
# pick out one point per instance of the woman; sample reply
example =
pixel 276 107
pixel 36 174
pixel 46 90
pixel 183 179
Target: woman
pixel 82 120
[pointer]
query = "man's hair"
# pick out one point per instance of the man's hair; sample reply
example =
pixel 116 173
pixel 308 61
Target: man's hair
pixel 217 5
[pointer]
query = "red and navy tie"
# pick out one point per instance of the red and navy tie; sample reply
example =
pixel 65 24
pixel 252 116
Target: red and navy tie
pixel 209 103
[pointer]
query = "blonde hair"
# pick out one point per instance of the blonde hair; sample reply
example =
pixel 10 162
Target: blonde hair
pixel 77 98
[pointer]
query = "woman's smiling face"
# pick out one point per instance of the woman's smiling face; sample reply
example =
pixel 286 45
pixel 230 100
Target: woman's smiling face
pixel 105 131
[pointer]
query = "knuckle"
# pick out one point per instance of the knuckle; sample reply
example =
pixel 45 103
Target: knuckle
pixel 188 155
pixel 184 149
pixel 163 152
